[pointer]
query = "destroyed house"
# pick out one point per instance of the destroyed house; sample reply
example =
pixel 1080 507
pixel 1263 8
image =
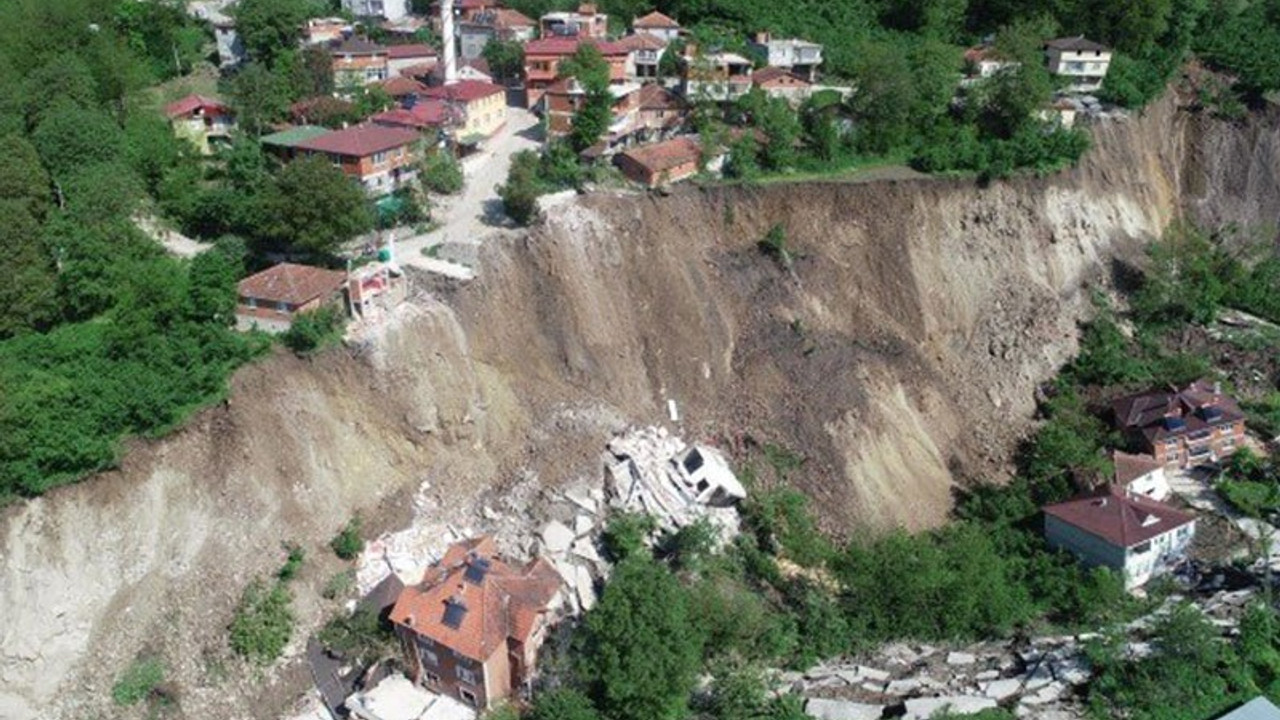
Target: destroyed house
pixel 1182 427
pixel 472 628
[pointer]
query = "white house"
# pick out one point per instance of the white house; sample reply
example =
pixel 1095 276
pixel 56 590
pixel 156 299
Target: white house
pixel 1131 534
pixel 1083 62
pixel 657 25
pixel 800 57
pixel 1141 474
pixel 982 62
pixel 385 9
pixel 721 76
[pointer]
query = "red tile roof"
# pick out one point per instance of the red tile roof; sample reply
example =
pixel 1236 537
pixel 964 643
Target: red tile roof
pixel 404 52
pixel 656 21
pixel 663 156
pixel 400 86
pixel 656 97
pixel 356 46
pixel 508 18
pixel 465 91
pixel 776 76
pixel 567 46
pixel 291 283
pixel 498 603
pixel 424 114
pixel 1119 518
pixel 361 140
pixel 1173 413
pixel 419 70
pixel 641 41
pixel 1131 467
pixel 191 103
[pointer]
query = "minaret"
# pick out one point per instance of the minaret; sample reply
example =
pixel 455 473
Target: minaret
pixel 449 42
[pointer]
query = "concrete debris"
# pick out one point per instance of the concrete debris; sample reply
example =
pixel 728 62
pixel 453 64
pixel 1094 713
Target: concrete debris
pixel 582 525
pixel 961 658
pixel 649 470
pixel 904 686
pixel 1046 694
pixel 925 708
pixel 586 549
pixel 1001 689
pixel 585 587
pixel 987 675
pixel 556 537
pixel 396 698
pixel 825 709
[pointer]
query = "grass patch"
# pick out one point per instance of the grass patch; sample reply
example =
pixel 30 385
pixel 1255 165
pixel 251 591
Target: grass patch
pixel 138 682
pixel 347 544
pixel 1255 499
pixel 263 622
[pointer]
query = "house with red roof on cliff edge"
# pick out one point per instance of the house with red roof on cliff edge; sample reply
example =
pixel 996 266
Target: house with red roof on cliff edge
pixel 1133 535
pixel 472 628
pixel 271 299
pixel 382 158
pixel 202 120
pixel 661 163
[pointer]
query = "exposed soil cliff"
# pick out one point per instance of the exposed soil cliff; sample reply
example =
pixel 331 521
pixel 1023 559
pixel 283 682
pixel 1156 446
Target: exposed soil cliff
pixel 901 351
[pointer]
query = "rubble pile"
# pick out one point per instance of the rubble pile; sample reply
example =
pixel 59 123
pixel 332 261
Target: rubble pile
pixel 1037 679
pixel 570 541
pixel 409 552
pixel 654 472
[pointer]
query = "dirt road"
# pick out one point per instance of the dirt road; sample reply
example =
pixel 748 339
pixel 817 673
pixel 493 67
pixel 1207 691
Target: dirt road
pixel 476 213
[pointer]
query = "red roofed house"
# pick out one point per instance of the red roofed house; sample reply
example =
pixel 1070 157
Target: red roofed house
pixel 1182 428
pixel 472 628
pixel 202 120
pixel 324 30
pixel 661 112
pixel 778 82
pixel 484 106
pixel 1131 534
pixel 564 98
pixel 400 57
pixel 402 87
pixel 359 62
pixel 269 300
pixel 542 59
pixel 981 62
pixel 423 116
pixel 661 163
pixel 644 53
pixel 1141 474
pixel 382 158
pixel 657 25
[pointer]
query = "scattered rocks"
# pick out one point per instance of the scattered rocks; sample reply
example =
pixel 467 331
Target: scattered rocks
pixel 556 537
pixel 1001 689
pixel 961 658
pixel 825 709
pixel 925 708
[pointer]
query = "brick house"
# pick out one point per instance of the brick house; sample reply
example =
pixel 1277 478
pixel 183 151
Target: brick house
pixel 484 107
pixel 204 121
pixel 472 628
pixel 359 62
pixel 542 60
pixel 656 25
pixel 400 88
pixel 661 163
pixel 400 57
pixel 428 116
pixel 1131 534
pixel 1182 428
pixel 285 143
pixel 565 97
pixel 271 299
pixel 382 158
pixel 779 82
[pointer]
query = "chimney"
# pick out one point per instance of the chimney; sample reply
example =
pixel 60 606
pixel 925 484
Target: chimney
pixel 450 58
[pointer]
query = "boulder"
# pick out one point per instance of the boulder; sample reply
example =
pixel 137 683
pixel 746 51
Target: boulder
pixel 987 675
pixel 557 537
pixel 925 708
pixel 903 686
pixel 961 658
pixel 825 709
pixel 1046 694
pixel 1001 689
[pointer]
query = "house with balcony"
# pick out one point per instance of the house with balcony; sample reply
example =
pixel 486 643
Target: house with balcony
pixel 1182 428
pixel 204 121
pixel 543 58
pixel 1133 535
pixel 656 25
pixel 585 22
pixel 781 83
pixel 565 97
pixel 1082 63
pixel 718 76
pixel 644 54
pixel 385 9
pixel 472 628
pixel 358 62
pixel 799 57
pixel 284 144
pixel 483 105
pixel 271 299
pixel 381 158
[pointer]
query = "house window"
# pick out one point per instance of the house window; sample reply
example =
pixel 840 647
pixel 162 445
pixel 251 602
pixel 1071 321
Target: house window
pixel 251 302
pixel 1142 549
pixel 467 676
pixel 429 657
pixel 379 158
pixel 468 697
pixel 433 679
pixel 282 307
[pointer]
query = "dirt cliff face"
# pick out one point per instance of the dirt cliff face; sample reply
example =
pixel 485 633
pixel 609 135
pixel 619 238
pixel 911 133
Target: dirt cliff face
pixel 899 351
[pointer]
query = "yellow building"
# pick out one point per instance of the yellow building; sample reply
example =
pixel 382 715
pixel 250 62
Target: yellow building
pixel 483 104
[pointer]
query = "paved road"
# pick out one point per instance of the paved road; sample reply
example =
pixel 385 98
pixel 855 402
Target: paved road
pixel 476 213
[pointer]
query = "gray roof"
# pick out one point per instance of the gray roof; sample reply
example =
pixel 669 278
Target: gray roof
pixel 1076 43
pixel 1258 708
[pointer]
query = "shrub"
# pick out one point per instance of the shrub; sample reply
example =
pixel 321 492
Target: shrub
pixel 520 192
pixel 292 564
pixel 263 622
pixel 312 330
pixel 347 544
pixel 138 681
pixel 363 636
pixel 339 585
pixel 441 173
pixel 625 535
pixel 774 245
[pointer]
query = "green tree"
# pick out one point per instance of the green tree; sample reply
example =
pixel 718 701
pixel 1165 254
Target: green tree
pixel 66 78
pixel 28 298
pixel 259 98
pixel 520 192
pixel 22 177
pixel 505 58
pixel 441 173
pixel 69 137
pixel 1009 100
pixel 316 208
pixel 640 653
pixel 592 118
pixel 562 704
pixel 213 276
pixel 781 127
pixel 269 27
pixel 263 622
